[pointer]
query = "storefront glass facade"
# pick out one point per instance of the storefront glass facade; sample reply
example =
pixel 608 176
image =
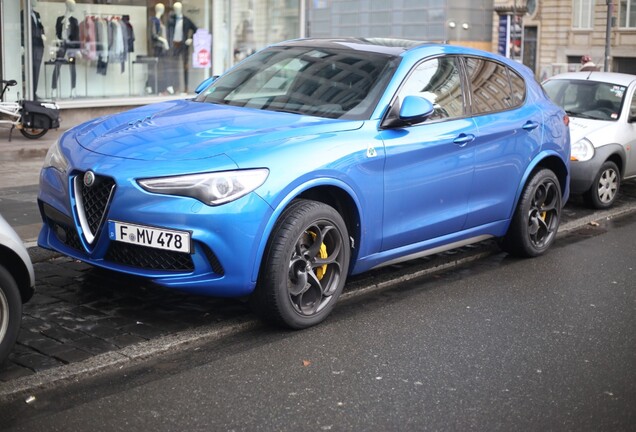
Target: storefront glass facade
pixel 74 50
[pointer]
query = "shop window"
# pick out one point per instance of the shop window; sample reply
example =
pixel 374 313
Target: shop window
pixel 142 56
pixel 258 23
pixel 80 49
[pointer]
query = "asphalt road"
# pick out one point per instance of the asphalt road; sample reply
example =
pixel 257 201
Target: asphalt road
pixel 500 344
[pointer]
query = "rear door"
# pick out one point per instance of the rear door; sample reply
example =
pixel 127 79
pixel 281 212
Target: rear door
pixel 510 134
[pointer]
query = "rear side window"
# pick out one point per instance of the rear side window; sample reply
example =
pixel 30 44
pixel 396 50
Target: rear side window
pixel 494 87
pixel 518 88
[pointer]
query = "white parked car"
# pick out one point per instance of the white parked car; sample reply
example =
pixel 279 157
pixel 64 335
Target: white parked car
pixel 17 285
pixel 602 110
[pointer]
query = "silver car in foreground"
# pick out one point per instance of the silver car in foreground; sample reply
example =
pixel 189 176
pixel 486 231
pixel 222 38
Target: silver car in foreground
pixel 17 285
pixel 602 110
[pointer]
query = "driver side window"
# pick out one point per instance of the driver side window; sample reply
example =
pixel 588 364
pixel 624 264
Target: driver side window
pixel 437 80
pixel 632 107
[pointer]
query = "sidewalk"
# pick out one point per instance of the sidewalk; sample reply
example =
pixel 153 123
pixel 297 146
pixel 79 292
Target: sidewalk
pixel 21 158
pixel 20 163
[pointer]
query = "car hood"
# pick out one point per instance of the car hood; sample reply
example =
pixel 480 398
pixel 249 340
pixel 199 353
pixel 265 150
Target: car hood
pixel 598 132
pixel 188 130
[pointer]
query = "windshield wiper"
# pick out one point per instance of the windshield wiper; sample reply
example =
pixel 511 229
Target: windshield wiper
pixel 581 115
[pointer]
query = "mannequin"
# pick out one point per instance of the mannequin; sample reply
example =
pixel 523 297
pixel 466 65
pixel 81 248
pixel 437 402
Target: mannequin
pixel 38 39
pixel 67 33
pixel 244 34
pixel 159 48
pixel 180 31
pixel 158 32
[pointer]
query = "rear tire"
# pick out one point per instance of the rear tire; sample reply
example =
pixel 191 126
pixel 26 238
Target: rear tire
pixel 33 133
pixel 304 267
pixel 536 220
pixel 10 313
pixel 605 188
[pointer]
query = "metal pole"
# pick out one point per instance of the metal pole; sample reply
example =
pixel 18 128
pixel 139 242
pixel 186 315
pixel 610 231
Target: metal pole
pixel 27 25
pixel 303 19
pixel 513 30
pixel 608 33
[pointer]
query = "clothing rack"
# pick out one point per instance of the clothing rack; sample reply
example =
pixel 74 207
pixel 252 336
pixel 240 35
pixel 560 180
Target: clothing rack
pixel 103 15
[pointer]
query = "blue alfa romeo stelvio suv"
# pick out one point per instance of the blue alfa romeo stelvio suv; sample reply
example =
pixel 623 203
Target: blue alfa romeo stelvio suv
pixel 309 161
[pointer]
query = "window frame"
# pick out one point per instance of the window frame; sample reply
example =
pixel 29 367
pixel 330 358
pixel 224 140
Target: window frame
pixel 578 8
pixel 623 18
pixel 513 104
pixel 462 78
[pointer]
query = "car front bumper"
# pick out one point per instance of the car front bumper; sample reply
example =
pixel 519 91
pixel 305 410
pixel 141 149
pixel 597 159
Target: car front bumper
pixel 225 239
pixel 582 174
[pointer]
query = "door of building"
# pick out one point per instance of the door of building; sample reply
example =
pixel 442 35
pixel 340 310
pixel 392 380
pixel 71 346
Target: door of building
pixel 530 47
pixel 624 65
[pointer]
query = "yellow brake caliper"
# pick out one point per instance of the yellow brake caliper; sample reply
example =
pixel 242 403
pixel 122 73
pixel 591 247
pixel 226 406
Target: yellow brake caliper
pixel 320 271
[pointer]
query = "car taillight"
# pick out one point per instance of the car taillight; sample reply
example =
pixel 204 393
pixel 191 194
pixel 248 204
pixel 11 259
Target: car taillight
pixel 566 120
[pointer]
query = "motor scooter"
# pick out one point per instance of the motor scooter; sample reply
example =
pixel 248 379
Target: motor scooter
pixel 32 118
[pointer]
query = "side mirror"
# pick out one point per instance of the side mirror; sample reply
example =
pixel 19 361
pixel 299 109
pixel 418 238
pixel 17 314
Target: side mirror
pixel 206 82
pixel 413 110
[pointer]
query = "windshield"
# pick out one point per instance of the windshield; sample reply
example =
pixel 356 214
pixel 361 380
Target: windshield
pixel 321 82
pixel 587 99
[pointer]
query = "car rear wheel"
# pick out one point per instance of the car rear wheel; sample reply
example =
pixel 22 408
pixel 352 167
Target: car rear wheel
pixel 10 313
pixel 604 190
pixel 33 133
pixel 536 220
pixel 305 266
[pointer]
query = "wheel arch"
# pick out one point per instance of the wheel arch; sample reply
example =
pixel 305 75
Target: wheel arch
pixel 344 204
pixel 558 167
pixel 328 191
pixel 612 152
pixel 553 162
pixel 16 267
pixel 619 159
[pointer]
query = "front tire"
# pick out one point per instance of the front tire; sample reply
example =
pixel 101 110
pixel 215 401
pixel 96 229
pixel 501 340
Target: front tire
pixel 304 267
pixel 10 313
pixel 604 190
pixel 536 220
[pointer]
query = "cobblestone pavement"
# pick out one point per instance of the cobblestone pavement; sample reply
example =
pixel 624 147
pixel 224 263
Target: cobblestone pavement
pixel 80 311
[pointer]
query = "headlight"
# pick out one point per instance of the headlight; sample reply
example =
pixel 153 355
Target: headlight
pixel 582 150
pixel 55 159
pixel 211 188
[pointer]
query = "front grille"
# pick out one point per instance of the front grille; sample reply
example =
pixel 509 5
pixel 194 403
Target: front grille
pixel 148 258
pixel 95 199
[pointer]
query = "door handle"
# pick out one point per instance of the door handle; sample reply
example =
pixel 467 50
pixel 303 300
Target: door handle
pixel 464 139
pixel 530 125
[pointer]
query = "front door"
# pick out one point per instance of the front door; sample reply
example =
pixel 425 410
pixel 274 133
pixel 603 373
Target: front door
pixel 429 167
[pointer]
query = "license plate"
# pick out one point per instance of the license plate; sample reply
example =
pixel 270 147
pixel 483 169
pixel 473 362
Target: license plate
pixel 158 238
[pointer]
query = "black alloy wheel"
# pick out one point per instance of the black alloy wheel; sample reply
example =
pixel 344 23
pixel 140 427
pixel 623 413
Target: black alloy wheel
pixel 305 266
pixel 536 220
